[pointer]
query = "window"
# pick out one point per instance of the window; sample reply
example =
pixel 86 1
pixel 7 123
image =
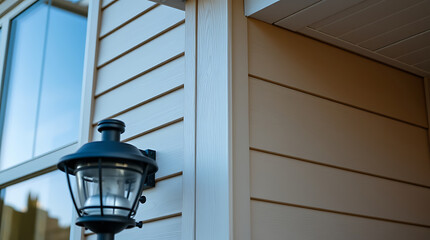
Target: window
pixel 39 208
pixel 43 79
pixel 41 69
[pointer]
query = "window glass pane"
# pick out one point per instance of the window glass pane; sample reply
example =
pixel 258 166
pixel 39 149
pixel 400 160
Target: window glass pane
pixel 43 83
pixel 38 208
pixel 22 84
pixel 62 81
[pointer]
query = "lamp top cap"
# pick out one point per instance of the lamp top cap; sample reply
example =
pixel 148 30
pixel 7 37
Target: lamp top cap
pixel 111 124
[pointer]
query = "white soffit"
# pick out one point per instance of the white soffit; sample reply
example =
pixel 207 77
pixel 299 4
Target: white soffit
pixel 396 32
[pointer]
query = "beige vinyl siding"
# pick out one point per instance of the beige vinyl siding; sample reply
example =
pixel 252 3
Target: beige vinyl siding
pixel 169 228
pixel 107 3
pixel 303 63
pixel 142 89
pixel 133 64
pixel 111 20
pixel 338 143
pixel 140 80
pixel 127 38
pixel 304 126
pixel 289 222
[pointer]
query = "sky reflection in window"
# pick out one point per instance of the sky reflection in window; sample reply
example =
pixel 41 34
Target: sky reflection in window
pixel 43 83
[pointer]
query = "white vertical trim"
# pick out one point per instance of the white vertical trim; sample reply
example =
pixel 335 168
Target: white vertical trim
pixel 213 121
pixel 90 71
pixel 189 170
pixel 241 169
pixel 5 25
pixel 89 79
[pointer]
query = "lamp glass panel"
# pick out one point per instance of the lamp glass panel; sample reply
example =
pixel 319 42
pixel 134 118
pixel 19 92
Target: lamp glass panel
pixel 120 187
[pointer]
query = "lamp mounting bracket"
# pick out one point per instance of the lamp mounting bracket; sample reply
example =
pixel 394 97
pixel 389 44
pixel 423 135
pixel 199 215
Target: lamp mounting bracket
pixel 150 178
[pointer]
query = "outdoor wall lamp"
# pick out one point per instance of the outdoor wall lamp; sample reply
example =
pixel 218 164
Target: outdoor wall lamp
pixel 110 177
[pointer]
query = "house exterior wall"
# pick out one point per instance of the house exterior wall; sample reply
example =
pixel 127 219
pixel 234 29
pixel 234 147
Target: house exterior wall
pixel 139 79
pixel 339 144
pixel 285 136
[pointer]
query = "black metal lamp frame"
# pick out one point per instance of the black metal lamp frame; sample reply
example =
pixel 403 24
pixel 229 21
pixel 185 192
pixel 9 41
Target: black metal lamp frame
pixel 110 150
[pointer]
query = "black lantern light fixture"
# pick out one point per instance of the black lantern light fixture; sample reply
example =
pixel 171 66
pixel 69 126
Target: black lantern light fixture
pixel 110 177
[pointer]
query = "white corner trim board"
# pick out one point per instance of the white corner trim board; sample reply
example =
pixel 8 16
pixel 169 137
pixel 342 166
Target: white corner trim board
pixel 213 121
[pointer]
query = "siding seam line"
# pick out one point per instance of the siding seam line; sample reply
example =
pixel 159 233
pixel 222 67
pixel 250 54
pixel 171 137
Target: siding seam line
pixel 153 98
pixel 338 167
pixel 171 59
pixel 153 37
pixel 108 5
pixel 163 217
pixel 339 212
pixel 154 129
pixel 128 21
pixel 173 175
pixel 338 102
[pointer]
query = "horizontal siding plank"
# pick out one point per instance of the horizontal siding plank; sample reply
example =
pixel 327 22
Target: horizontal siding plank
pixel 291 59
pixel 140 30
pixel 169 144
pixel 105 3
pixel 151 115
pixel 166 229
pixel 301 183
pixel 301 125
pixel 141 59
pixel 91 237
pixel 163 200
pixel 141 89
pixel 120 12
pixel 285 222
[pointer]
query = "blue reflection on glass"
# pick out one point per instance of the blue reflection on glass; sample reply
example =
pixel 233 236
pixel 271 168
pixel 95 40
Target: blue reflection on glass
pixel 43 82
pixel 62 81
pixel 23 78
